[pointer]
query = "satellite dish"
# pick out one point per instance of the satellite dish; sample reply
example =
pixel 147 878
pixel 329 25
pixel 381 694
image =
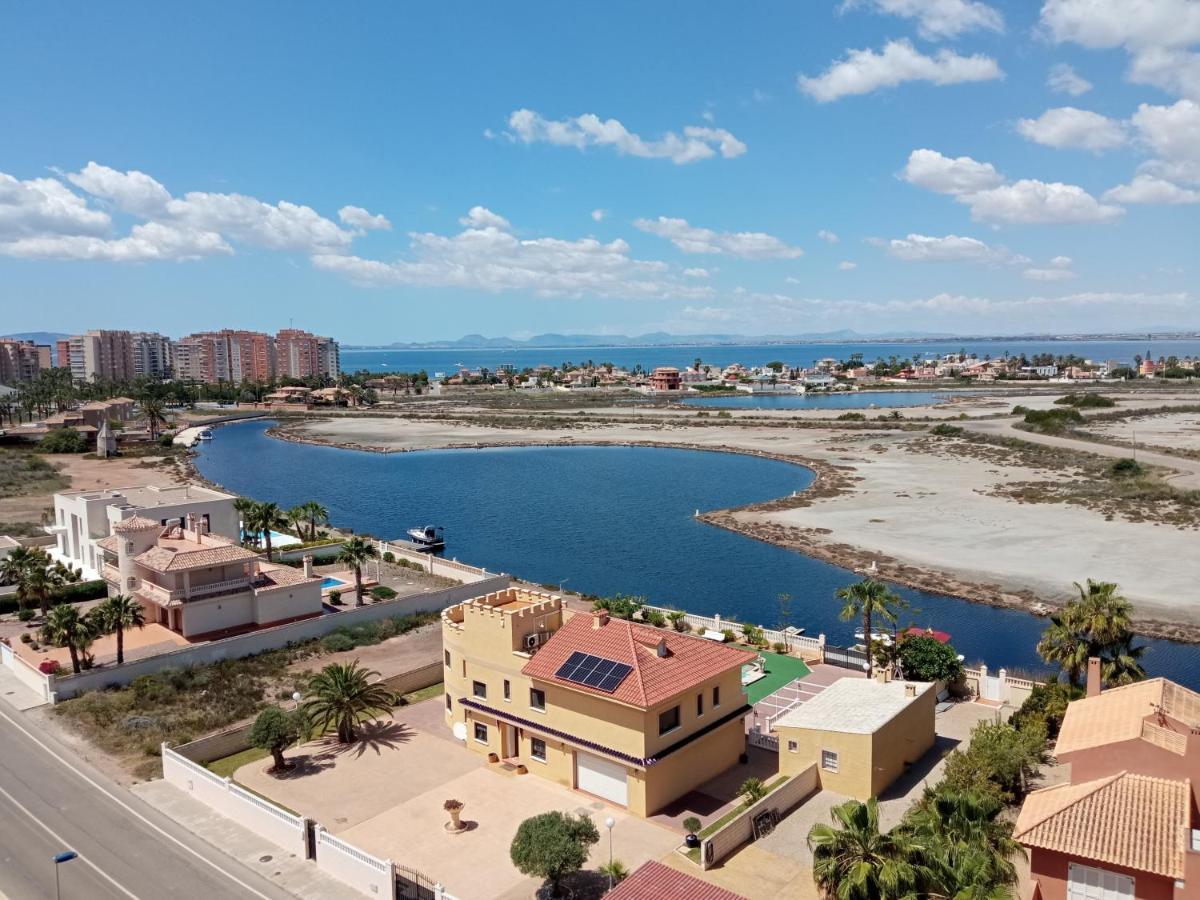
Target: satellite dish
pixel 460 730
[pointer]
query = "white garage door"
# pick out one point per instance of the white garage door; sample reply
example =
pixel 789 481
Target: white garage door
pixel 600 777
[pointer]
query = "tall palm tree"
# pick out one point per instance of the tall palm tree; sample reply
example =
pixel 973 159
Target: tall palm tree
pixel 317 515
pixel 15 568
pixel 45 577
pixel 262 519
pixel 869 599
pixel 853 860
pixel 355 553
pixel 1121 661
pixel 155 412
pixel 115 614
pixel 1063 644
pixel 297 517
pixel 971 843
pixel 65 627
pixel 1096 624
pixel 1102 611
pixel 341 697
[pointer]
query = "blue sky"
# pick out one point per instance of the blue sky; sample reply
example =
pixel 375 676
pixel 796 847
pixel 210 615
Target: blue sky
pixel 415 171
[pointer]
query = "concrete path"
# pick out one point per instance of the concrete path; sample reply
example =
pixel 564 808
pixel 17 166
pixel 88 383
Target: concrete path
pixel 16 693
pixel 1187 471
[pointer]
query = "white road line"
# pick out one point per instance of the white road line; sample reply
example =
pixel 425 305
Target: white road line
pixel 133 812
pixel 65 844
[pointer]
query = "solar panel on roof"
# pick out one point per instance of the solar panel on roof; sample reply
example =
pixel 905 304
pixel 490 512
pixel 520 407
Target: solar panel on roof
pixel 593 671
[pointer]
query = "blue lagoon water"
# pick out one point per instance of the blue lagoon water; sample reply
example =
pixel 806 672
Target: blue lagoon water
pixel 610 519
pixel 835 400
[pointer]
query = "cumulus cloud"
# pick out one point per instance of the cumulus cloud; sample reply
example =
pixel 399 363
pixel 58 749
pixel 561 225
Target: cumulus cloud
pixel 1067 126
pixel 487 256
pixel 357 217
pixel 45 206
pixel 1149 189
pixel 1063 79
pixel 744 244
pixel 696 273
pixel 133 192
pixel 1172 134
pixel 828 236
pixel 1059 269
pixel 938 19
pixel 697 142
pixel 864 71
pixel 951 248
pixel 846 266
pixel 147 242
pixel 598 215
pixel 992 199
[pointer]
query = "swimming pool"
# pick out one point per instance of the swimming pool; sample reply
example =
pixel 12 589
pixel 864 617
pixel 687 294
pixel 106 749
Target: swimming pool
pixel 279 540
pixel 331 583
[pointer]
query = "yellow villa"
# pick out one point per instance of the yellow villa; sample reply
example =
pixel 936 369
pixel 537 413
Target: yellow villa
pixel 635 715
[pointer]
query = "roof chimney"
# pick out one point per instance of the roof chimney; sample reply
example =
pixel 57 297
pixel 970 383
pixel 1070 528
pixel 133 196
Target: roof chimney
pixel 599 618
pixel 1093 676
pixel 661 648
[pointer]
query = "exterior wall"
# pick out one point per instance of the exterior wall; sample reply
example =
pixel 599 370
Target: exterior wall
pixel 275 606
pixel 229 611
pixel 783 800
pixel 683 770
pixel 853 778
pixel 1050 869
pixel 1135 756
pixel 733 696
pixel 902 741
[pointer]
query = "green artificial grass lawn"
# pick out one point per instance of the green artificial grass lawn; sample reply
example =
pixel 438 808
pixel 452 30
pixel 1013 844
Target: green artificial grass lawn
pixel 227 765
pixel 780 670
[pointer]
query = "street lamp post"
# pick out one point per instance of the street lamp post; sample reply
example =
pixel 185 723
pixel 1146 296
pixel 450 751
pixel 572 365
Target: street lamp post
pixel 59 859
pixel 609 823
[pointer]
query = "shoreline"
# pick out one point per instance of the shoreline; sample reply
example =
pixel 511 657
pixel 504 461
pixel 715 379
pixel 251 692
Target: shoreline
pixel 829 481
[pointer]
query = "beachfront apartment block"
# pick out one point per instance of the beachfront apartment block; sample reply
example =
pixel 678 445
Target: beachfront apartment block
pixel 200 585
pixel 21 360
pixel 634 715
pixel 83 518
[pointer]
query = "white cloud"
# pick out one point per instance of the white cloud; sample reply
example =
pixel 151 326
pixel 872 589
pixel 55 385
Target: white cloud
pixel 864 71
pixel 599 214
pixel 1172 133
pixel 45 206
pixel 133 192
pixel 846 266
pixel 992 199
pixel 744 244
pixel 147 242
pixel 1149 189
pixel 828 236
pixel 284 226
pixel 938 19
pixel 946 175
pixel 588 130
pixel 486 256
pixel 1067 126
pixel 1063 79
pixel 1059 269
pixel 357 217
pixel 951 248
pixel 696 273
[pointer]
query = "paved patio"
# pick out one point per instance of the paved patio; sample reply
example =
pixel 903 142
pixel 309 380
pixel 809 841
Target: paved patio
pixel 151 640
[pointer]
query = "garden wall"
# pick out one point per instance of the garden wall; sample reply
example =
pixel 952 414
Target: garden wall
pixel 740 830
pixel 40 683
pixel 807 647
pixel 433 564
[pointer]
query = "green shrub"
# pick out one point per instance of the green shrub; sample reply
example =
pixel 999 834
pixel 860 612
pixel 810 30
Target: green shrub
pixel 335 598
pixel 924 658
pixel 779 647
pixel 655 618
pixel 946 430
pixel 1086 401
pixel 730 637
pixel 852 417
pixel 25 615
pixel 63 440
pixel 620 606
pixel 1020 410
pixel 26 638
pixel 337 642
pixel 1126 468
pixel 383 592
pixel 389 557
pixel 999 761
pixel 1047 703
pixel 691 824
pixel 1053 421
pixel 166 440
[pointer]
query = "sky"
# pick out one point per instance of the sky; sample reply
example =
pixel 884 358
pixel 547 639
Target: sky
pixel 405 172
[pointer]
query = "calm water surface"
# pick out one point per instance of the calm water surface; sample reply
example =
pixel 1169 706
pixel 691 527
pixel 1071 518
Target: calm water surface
pixel 839 400
pixel 610 519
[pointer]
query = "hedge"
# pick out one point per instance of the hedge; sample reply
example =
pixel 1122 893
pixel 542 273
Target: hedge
pixel 72 593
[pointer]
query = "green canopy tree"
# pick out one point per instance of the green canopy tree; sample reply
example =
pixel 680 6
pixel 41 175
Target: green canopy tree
pixel 275 729
pixel 552 846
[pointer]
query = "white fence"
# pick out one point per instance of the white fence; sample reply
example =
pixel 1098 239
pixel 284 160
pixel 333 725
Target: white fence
pixel 261 816
pixel 41 683
pixel 773 636
pixel 362 871
pixel 434 564
pixel 757 738
pixel 271 638
pixel 1000 688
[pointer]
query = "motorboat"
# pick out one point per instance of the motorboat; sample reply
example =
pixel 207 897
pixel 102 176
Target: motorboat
pixel 877 637
pixel 205 435
pixel 431 537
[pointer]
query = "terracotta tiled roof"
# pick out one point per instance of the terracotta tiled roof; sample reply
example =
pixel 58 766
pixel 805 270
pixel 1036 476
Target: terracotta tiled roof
pixel 1126 820
pixel 277 577
pixel 655 881
pixel 1117 713
pixel 109 543
pixel 689 660
pixel 136 523
pixel 177 554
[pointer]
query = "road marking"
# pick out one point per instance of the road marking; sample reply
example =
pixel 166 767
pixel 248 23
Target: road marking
pixel 129 809
pixel 65 843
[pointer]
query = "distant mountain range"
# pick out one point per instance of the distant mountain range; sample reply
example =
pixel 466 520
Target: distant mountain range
pixel 39 337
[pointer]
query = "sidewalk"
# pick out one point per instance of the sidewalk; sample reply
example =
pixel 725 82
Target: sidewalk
pixel 17 693
pixel 297 876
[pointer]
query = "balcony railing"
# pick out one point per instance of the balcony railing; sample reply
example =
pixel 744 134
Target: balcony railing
pixel 162 595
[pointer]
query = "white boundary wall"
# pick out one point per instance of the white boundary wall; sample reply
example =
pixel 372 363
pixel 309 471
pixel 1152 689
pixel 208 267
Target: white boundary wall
pixel 716 623
pixel 39 682
pixel 249 810
pixel 271 638
pixel 362 871
pixel 783 800
pixel 434 564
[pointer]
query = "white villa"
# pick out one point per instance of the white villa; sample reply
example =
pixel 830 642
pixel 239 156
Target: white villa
pixel 83 518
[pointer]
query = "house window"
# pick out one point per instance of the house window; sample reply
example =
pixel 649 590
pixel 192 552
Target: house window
pixel 699 705
pixel 537 749
pixel 537 699
pixel 1090 883
pixel 129 546
pixel 446 655
pixel 479 689
pixel 668 720
pixel 716 697
pixel 480 733
pixel 507 690
pixel 793 747
pixel 449 704
pixel 829 760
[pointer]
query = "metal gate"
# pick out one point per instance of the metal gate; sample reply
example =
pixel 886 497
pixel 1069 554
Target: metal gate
pixel 989 688
pixel 414 885
pixel 845 657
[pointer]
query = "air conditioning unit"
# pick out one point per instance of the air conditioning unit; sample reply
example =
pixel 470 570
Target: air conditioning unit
pixel 533 641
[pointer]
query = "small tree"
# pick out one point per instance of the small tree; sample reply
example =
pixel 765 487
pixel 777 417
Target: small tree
pixel 753 790
pixel 275 730
pixel 924 658
pixel 552 846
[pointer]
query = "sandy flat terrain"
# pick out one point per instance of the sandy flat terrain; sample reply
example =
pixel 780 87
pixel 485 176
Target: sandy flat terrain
pixel 933 512
pixel 1180 431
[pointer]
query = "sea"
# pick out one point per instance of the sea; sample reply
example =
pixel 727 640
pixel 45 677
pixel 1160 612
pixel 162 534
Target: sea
pixel 794 355
pixel 607 520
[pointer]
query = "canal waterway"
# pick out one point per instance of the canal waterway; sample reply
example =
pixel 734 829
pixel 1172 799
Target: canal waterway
pixel 813 400
pixel 608 520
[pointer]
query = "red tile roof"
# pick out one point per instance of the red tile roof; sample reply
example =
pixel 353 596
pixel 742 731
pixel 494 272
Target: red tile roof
pixel 689 661
pixel 941 637
pixel 654 881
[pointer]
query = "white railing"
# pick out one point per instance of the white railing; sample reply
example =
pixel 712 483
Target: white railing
pixel 327 839
pixel 201 590
pixel 765 741
pixel 156 592
pixel 771 635
pixel 365 873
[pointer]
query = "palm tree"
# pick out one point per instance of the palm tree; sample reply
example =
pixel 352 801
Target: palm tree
pixel 1103 612
pixel 317 515
pixel 297 517
pixel 43 578
pixel 855 861
pixel 1095 624
pixel 262 519
pixel 868 599
pixel 14 569
pixel 355 553
pixel 118 612
pixel 65 627
pixel 1120 661
pixel 155 412
pixel 342 696
pixel 1062 644
pixel 970 844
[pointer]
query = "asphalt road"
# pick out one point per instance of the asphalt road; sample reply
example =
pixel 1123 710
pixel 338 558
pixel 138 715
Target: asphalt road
pixel 51 802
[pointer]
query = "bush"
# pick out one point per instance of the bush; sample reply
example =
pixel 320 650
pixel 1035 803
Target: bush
pixel 752 790
pixel 166 440
pixel 946 430
pixel 678 620
pixel 1053 421
pixel 1047 704
pixel 779 647
pixel 389 557
pixel 1126 468
pixel 1086 401
pixel 26 637
pixel 25 615
pixel 337 642
pixel 335 598
pixel 82 590
pixel 691 825
pixel 999 760
pixel 730 637
pixel 655 618
pixel 924 658
pixel 620 606
pixel 852 417
pixel 553 845
pixel 63 440
pixel 383 592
